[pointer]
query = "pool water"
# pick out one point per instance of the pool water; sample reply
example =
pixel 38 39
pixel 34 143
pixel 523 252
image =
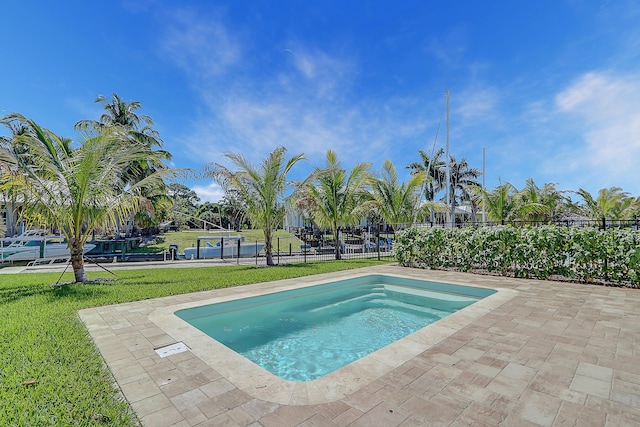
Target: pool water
pixel 304 334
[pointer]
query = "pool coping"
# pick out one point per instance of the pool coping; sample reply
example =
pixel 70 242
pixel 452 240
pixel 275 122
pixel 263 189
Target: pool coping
pixel 261 384
pixel 557 353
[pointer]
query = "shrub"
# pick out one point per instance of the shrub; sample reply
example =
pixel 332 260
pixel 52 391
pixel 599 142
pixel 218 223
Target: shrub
pixel 583 254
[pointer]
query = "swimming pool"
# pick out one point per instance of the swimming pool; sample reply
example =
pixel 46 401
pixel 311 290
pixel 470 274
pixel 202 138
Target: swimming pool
pixel 304 334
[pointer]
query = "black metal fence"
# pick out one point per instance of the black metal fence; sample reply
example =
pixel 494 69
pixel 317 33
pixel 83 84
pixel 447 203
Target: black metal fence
pixel 308 245
pixel 376 241
pixel 602 224
pixel 301 245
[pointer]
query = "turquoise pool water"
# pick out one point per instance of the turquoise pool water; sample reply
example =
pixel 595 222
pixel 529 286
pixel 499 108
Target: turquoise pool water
pixel 304 334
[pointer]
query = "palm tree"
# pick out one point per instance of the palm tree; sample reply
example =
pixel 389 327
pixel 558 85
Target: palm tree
pixel 463 178
pixel 606 205
pixel 337 195
pixel 499 203
pixel 76 190
pixel 435 178
pixel 139 130
pixel 396 201
pixel 540 204
pixel 9 194
pixel 506 203
pixel 123 113
pixel 261 189
pixel 630 208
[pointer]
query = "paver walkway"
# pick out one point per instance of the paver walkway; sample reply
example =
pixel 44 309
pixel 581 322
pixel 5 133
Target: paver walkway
pixel 553 354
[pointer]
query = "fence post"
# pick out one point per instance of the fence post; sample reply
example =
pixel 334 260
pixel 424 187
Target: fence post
pixel 278 238
pixel 256 253
pixel 378 241
pixel 606 263
pixel 305 248
pixel 238 253
pixel 221 247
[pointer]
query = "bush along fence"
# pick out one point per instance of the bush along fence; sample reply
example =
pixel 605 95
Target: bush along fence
pixel 602 223
pixel 588 255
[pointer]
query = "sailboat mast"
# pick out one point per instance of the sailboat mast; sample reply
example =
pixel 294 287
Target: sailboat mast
pixel 484 174
pixel 450 215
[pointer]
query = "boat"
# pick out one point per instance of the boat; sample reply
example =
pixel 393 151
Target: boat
pixel 227 246
pixel 30 234
pixel 44 247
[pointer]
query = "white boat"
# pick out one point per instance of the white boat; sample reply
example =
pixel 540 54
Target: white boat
pixel 31 234
pixel 45 247
pixel 226 247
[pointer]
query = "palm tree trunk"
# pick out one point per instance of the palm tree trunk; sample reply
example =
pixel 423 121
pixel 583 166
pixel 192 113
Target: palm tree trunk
pixel 77 260
pixel 474 212
pixel 129 230
pixel 432 212
pixel 267 247
pixel 336 241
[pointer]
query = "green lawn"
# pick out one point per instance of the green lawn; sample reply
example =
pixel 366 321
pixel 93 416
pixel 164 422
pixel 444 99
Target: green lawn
pixel 50 372
pixel 187 239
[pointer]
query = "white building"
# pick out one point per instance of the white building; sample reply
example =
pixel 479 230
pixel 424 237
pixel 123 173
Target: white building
pixel 9 225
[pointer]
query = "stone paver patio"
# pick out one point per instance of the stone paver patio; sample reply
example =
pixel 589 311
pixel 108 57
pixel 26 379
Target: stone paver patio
pixel 536 353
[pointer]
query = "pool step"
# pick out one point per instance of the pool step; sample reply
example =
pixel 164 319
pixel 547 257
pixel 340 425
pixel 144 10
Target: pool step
pixel 443 301
pixel 431 294
pixel 350 300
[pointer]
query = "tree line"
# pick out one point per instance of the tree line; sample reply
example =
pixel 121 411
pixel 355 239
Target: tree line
pixel 116 173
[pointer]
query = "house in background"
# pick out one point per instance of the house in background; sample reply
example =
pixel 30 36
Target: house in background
pixel 9 225
pixel 293 219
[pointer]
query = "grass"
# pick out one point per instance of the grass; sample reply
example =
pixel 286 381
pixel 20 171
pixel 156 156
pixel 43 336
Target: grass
pixel 50 372
pixel 187 239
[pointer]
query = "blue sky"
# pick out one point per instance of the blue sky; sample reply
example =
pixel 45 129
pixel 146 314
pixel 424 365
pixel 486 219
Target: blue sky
pixel 551 89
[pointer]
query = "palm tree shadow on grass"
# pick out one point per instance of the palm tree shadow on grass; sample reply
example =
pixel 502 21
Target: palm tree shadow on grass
pixel 78 293
pixel 12 294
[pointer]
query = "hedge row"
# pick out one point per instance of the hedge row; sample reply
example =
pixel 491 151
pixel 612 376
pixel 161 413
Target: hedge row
pixel 583 254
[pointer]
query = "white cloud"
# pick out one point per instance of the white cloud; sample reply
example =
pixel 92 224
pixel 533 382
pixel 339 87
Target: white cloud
pixel 305 66
pixel 325 75
pixel 476 104
pixel 84 107
pixel 302 100
pixel 449 49
pixel 262 125
pixel 250 97
pixel 307 109
pixel 199 43
pixel 605 108
pixel 209 193
pixel 358 131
